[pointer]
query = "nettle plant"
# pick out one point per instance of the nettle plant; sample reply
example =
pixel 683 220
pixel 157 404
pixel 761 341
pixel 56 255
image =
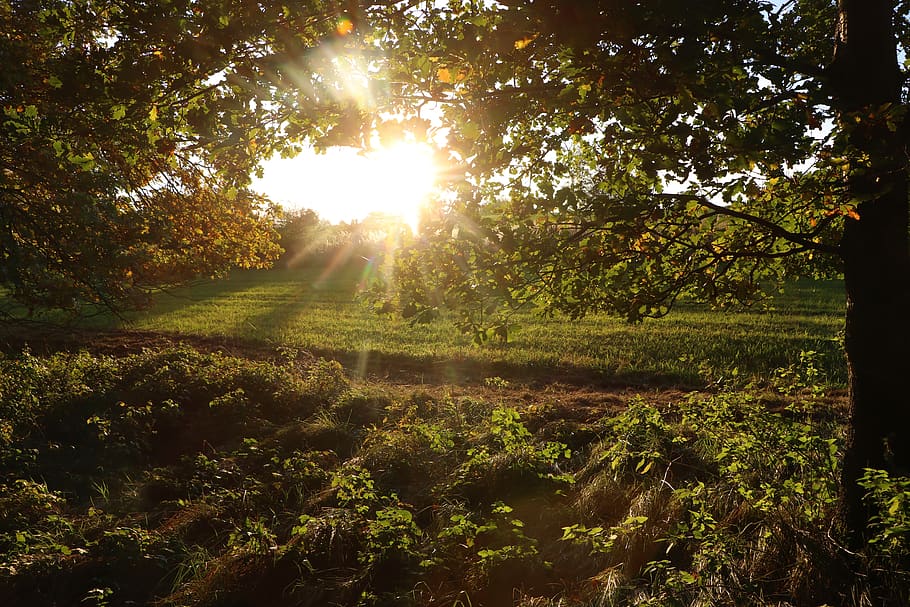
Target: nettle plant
pixel 388 526
pixel 724 492
pixel 512 438
pixel 490 540
pixel 890 496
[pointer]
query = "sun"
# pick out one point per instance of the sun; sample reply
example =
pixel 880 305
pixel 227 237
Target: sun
pixel 403 175
pixel 346 184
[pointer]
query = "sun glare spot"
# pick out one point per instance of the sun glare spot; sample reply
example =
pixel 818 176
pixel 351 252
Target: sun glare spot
pixel 404 175
pixel 344 185
pixel 344 26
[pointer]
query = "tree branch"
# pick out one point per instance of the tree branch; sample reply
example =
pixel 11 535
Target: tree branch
pixel 794 237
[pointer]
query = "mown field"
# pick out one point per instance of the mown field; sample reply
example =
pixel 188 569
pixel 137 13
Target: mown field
pixel 316 310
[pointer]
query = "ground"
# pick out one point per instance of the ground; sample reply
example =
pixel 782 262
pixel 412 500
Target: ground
pixel 189 470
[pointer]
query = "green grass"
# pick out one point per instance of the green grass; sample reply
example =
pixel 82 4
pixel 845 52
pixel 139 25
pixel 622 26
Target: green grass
pixel 316 311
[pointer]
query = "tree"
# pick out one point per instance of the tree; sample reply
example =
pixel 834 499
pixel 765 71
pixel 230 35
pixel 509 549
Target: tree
pixel 302 234
pixel 129 132
pixel 620 154
pixel 617 154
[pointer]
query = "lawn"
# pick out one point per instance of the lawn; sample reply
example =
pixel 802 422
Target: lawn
pixel 317 311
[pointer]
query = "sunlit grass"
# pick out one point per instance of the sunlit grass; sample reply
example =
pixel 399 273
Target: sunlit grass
pixel 305 309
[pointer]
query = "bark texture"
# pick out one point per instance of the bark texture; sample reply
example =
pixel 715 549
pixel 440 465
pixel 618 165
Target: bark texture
pixel 866 79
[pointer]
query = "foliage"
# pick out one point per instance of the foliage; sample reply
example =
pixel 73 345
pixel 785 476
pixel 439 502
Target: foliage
pixel 309 241
pixel 712 498
pixel 301 234
pixel 621 157
pixel 129 134
pixel 891 497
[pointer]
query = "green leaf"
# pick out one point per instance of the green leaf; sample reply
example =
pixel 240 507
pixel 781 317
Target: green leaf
pixel 470 130
pixel 583 90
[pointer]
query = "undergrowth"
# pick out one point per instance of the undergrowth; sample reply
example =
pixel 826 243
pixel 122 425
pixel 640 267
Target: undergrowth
pixel 174 477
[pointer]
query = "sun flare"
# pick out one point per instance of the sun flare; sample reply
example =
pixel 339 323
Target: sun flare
pixel 344 184
pixel 403 175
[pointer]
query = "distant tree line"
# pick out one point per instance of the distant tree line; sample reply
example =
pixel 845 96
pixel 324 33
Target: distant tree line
pixel 308 240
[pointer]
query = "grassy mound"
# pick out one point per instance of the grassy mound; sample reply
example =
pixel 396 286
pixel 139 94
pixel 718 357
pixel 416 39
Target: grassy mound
pixel 174 477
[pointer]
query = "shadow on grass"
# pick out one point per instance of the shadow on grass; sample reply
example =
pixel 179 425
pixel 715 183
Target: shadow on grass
pixel 273 303
pixel 373 365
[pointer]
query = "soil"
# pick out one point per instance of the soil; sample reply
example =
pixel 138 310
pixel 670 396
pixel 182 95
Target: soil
pixel 581 391
pixel 40 338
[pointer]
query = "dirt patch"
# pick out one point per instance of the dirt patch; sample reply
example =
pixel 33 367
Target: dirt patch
pixel 371 366
pixel 577 394
pixel 41 338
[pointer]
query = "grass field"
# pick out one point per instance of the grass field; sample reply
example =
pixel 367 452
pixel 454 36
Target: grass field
pixel 227 472
pixel 317 311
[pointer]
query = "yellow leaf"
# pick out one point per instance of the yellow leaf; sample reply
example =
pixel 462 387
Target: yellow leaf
pixel 520 44
pixel 153 113
pixel 444 75
pixel 344 26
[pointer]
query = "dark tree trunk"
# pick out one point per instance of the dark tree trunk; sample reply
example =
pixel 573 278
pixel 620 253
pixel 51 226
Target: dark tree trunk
pixel 877 343
pixel 866 77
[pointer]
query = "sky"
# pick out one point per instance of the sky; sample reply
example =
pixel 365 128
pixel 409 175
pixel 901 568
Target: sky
pixel 344 184
pixel 335 184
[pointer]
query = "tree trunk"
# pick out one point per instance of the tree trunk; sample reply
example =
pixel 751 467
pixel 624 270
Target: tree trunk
pixel 865 77
pixel 877 342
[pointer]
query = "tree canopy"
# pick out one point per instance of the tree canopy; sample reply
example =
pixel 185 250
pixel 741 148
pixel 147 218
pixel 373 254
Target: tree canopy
pixel 129 134
pixel 618 155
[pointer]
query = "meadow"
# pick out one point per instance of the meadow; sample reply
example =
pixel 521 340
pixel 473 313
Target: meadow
pixel 317 311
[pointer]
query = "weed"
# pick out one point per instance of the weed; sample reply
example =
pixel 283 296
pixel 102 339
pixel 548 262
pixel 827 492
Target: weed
pixel 509 462
pixel 393 530
pixel 254 536
pixel 354 487
pixel 806 375
pixel 890 498
pixel 488 542
pixel 221 479
pixel 496 382
pixel 600 539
